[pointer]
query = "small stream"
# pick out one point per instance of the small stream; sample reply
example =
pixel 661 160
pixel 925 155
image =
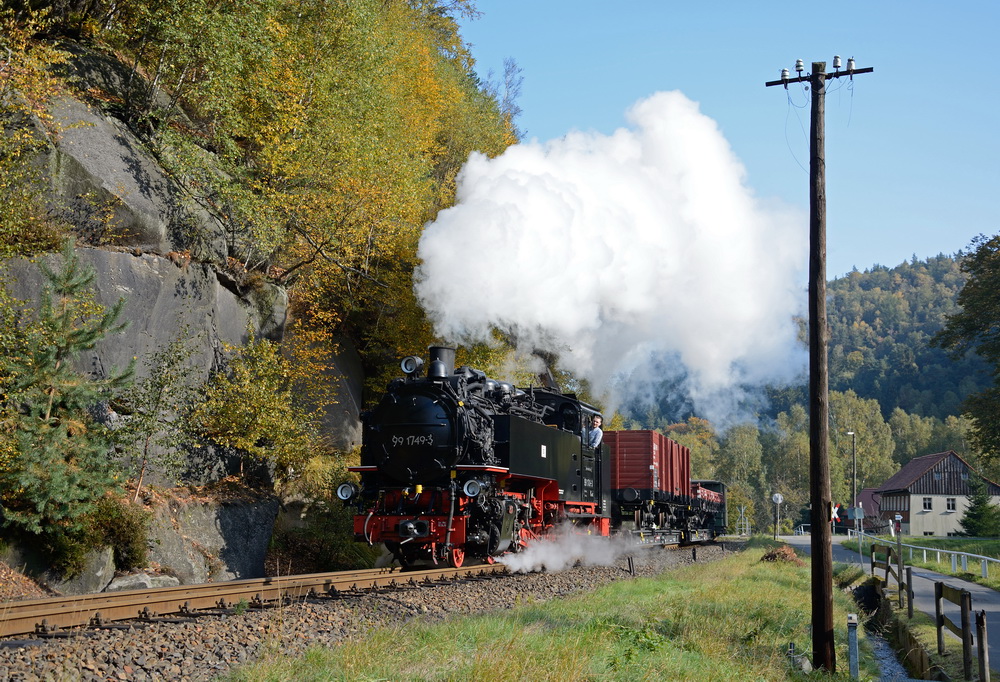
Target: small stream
pixel 890 669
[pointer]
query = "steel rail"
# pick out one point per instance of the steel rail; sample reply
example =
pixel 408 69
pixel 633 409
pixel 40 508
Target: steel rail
pixel 54 615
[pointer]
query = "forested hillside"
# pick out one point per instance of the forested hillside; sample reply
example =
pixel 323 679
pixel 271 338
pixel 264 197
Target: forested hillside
pixel 881 324
pixel 323 136
pixel 899 395
pixel 297 147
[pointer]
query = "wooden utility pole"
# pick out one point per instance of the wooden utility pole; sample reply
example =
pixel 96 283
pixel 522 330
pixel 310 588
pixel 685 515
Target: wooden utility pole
pixel 824 652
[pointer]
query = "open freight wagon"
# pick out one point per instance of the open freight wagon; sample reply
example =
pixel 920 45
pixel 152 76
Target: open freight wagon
pixel 652 492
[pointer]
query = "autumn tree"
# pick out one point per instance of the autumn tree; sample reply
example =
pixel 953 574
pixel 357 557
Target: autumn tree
pixel 27 84
pixel 251 407
pixel 154 414
pixel 739 465
pixel 787 455
pixel 699 436
pixel 875 446
pixel 912 435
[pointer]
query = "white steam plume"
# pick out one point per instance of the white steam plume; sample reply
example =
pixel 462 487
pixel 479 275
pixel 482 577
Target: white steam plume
pixel 565 549
pixel 619 251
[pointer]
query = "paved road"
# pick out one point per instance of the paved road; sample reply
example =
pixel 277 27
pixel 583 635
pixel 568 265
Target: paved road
pixel 983 598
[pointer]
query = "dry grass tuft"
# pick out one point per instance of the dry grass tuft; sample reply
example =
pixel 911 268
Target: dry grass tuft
pixel 784 554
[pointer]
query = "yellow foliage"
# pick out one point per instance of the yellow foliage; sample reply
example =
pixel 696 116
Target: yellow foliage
pixel 26 88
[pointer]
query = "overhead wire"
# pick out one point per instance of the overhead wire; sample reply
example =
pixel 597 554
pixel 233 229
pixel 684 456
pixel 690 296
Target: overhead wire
pixel 793 106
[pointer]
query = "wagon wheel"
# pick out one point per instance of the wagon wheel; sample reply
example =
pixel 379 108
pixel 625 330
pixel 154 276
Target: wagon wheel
pixel 456 557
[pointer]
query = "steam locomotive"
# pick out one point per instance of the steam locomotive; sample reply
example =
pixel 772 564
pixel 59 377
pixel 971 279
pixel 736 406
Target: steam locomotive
pixel 455 465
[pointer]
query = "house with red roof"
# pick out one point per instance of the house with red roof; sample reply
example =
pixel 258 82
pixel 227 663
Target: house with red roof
pixel 873 522
pixel 930 493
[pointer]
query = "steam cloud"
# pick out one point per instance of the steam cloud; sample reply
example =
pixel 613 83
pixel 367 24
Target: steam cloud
pixel 565 548
pixel 633 254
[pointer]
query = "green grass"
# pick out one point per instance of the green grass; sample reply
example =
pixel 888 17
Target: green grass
pixel 731 619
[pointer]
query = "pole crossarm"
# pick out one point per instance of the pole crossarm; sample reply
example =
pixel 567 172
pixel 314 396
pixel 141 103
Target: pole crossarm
pixel 828 76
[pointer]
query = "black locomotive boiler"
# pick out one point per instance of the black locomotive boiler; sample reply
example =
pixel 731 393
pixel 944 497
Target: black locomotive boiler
pixel 456 465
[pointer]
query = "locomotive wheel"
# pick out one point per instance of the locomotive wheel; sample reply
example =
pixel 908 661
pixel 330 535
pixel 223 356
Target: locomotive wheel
pixel 456 557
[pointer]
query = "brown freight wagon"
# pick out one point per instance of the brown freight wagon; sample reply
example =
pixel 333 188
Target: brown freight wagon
pixel 646 465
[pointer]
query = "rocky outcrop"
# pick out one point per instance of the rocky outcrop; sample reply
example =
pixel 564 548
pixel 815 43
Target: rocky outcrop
pixel 207 540
pixel 105 181
pixel 162 299
pixel 168 257
pixel 97 166
pixel 192 540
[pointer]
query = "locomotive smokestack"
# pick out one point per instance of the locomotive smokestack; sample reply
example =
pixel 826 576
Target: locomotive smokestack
pixel 442 362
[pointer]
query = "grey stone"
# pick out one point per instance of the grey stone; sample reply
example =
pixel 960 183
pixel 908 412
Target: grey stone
pixel 341 421
pixel 163 581
pixel 141 581
pixel 161 299
pixel 200 541
pixel 133 581
pixel 97 573
pixel 97 161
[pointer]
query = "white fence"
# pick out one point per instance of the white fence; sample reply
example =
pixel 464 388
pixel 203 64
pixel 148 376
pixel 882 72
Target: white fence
pixel 956 557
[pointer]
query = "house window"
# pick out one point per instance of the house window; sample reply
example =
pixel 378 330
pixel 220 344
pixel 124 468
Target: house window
pixel 928 504
pixel 928 532
pixel 965 475
pixel 937 475
pixel 950 503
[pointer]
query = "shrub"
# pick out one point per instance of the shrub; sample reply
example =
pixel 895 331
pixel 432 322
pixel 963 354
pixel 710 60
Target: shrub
pixel 124 527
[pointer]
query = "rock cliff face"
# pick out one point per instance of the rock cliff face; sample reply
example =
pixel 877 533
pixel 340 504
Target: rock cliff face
pixel 192 541
pixel 169 263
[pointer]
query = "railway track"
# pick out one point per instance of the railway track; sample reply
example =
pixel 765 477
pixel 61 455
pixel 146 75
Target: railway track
pixel 57 616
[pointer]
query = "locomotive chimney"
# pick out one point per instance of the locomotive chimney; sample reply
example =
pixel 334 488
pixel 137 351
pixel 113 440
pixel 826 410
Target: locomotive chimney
pixel 442 362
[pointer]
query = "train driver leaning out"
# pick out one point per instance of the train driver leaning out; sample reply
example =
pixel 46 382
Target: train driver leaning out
pixel 596 434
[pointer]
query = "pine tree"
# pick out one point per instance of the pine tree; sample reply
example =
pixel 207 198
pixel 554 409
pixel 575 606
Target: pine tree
pixel 58 465
pixel 982 518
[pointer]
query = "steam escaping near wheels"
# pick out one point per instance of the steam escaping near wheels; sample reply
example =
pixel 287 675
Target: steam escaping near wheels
pixel 565 549
pixel 642 254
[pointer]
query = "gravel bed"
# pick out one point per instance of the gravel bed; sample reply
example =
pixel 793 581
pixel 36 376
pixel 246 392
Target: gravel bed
pixel 213 645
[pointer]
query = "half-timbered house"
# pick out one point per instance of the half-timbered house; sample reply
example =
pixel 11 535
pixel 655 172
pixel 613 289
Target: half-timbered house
pixel 931 494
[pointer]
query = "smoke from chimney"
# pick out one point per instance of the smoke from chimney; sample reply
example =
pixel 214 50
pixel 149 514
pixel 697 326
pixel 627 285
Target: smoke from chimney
pixel 642 254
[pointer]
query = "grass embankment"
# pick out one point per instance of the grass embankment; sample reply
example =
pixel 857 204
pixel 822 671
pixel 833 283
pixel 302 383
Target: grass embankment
pixel 728 620
pixel 988 547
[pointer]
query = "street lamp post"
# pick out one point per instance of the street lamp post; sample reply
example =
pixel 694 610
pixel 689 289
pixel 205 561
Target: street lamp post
pixel 854 479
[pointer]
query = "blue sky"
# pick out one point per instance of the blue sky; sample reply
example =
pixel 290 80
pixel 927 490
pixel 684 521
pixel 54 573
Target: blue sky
pixel 912 151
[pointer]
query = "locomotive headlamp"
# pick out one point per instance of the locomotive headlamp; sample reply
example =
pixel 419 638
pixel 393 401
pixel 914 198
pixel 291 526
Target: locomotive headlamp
pixel 472 488
pixel 411 365
pixel 346 491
